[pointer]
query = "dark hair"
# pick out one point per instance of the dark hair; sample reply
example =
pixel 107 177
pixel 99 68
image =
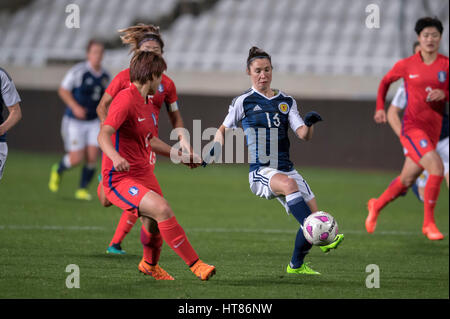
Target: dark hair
pixel 425 22
pixel 257 53
pixel 93 42
pixel 145 66
pixel 415 44
pixel 135 35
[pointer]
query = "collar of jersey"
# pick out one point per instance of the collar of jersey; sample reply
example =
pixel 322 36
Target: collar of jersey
pixel 94 73
pixel 271 98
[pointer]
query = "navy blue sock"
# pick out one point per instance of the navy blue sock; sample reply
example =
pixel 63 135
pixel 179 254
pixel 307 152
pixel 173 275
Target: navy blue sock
pixel 415 190
pixel 86 176
pixel 300 210
pixel 62 167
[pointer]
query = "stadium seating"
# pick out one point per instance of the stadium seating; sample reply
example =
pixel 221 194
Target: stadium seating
pixel 318 37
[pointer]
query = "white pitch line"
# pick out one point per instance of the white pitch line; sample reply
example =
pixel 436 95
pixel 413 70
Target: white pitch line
pixel 204 230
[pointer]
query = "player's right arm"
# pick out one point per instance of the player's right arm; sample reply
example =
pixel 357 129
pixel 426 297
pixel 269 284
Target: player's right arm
pixel 116 116
pixel 104 140
pixel 65 93
pixel 397 105
pixel 393 75
pixel 393 118
pixel 103 106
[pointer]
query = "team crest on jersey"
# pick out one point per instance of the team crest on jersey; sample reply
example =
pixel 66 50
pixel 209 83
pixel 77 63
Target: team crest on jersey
pixel 283 107
pixel 423 143
pixel 161 88
pixel 442 75
pixel 89 81
pixel 133 191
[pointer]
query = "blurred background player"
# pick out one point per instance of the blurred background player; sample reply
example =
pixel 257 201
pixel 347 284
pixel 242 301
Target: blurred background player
pixel 398 104
pixel 81 90
pixel 10 99
pixel 141 37
pixel 425 75
pixel 126 138
pixel 262 107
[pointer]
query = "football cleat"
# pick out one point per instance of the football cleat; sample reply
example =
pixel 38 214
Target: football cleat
pixel 55 179
pixel 83 194
pixel 371 220
pixel 326 248
pixel 115 249
pixel 432 232
pixel 155 271
pixel 203 270
pixel 302 270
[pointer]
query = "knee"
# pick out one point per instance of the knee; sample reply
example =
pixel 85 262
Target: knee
pixel 164 211
pixel 407 181
pixel 290 186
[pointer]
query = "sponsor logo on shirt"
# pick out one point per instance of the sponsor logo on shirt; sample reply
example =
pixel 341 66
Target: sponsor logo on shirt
pixel 133 191
pixel 442 75
pixel 161 88
pixel 283 107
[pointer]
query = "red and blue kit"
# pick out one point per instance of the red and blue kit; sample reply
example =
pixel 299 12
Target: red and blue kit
pixel 166 92
pixel 422 121
pixel 135 123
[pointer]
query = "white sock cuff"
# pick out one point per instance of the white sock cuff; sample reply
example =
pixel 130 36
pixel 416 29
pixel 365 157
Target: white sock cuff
pixel 294 196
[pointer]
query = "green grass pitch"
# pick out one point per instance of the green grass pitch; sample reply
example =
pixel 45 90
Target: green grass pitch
pixel 248 239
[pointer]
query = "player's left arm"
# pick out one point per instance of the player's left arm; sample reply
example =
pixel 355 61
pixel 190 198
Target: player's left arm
pixel 303 127
pixel 15 115
pixel 164 149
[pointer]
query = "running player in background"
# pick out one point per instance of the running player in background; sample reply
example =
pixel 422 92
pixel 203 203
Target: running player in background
pixel 263 108
pixel 81 90
pixel 398 104
pixel 425 75
pixel 10 99
pixel 126 139
pixel 141 38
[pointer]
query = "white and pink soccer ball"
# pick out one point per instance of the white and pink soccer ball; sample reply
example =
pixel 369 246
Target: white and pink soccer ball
pixel 320 228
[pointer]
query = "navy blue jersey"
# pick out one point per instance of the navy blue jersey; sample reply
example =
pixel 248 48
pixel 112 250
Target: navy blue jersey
pixel 8 96
pixel 266 122
pixel 86 86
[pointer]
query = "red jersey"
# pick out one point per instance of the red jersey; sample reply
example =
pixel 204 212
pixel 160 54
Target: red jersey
pixel 134 122
pixel 167 92
pixel 419 79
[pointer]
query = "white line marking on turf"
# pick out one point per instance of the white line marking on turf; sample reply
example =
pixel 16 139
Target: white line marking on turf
pixel 206 230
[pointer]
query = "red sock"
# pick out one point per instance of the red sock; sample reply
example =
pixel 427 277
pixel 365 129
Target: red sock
pixel 174 235
pixel 152 244
pixel 127 221
pixel 431 194
pixel 392 192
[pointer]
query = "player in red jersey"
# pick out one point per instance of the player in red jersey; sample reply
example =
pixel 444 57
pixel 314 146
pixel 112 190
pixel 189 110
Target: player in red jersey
pixel 145 38
pixel 126 139
pixel 425 75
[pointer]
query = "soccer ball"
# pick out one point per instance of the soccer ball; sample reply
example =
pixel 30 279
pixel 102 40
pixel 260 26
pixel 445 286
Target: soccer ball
pixel 320 228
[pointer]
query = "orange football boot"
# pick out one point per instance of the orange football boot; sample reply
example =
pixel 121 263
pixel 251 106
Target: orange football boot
pixel 155 271
pixel 371 220
pixel 432 232
pixel 202 270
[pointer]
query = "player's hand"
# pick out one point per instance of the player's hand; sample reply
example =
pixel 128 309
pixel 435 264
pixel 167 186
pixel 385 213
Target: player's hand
pixel 436 95
pixel 215 151
pixel 2 130
pixel 312 118
pixel 120 164
pixel 79 112
pixel 380 117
